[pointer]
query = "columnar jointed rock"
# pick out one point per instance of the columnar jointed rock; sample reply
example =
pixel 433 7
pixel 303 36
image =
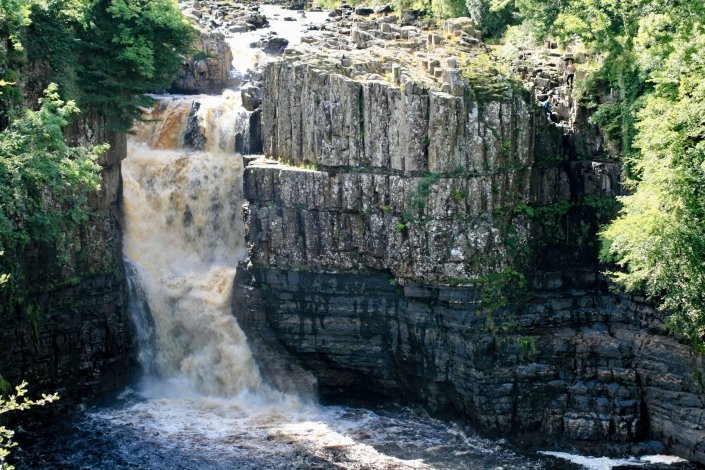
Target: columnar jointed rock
pixel 310 115
pixel 359 220
pixel 409 177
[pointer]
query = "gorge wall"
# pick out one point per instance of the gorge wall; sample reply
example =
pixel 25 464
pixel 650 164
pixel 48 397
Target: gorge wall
pixel 70 333
pixel 388 215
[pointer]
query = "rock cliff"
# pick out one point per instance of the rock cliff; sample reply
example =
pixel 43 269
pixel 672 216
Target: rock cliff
pixel 208 70
pixel 70 333
pixel 421 230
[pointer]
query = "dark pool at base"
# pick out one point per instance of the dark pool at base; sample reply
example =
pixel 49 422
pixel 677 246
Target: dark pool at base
pixel 162 433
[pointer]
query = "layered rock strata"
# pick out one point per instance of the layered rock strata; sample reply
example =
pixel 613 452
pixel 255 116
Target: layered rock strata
pixel 70 332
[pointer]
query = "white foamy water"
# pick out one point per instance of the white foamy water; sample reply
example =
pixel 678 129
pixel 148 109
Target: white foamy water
pixel 606 463
pixel 183 237
pixel 183 232
pixel 247 58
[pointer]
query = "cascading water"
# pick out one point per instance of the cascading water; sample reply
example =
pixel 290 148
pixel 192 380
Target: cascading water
pixel 183 238
pixel 203 405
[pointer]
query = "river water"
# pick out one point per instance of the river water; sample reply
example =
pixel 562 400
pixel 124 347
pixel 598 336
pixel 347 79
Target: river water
pixel 202 403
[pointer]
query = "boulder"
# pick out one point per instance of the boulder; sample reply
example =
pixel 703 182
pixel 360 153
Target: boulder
pixel 364 11
pixel 257 20
pixel 275 45
pixel 251 97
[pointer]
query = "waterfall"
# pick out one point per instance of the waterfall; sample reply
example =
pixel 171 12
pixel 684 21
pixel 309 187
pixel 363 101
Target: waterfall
pixel 183 234
pixel 183 239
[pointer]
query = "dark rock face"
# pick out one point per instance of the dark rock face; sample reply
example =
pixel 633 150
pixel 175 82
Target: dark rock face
pixel 208 70
pixel 251 97
pixel 364 11
pixel 79 344
pixel 256 20
pixel 584 368
pixel 275 45
pixel 71 334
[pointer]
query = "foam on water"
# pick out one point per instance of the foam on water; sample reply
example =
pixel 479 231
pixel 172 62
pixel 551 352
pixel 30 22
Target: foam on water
pixel 663 459
pixel 606 463
pixel 247 58
pixel 282 431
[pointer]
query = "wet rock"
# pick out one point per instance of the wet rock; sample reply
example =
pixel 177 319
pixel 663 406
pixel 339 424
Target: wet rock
pixel 257 20
pixel 364 11
pixel 251 97
pixel 239 28
pixel 206 74
pixel 275 45
pixel 384 9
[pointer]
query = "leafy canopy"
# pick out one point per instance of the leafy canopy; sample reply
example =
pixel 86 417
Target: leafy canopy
pixel 659 237
pixel 43 182
pixel 104 54
pixel 128 48
pixel 16 402
pixel 650 53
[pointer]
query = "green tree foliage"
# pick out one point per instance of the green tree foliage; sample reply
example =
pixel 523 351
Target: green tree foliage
pixel 659 237
pixel 14 17
pixel 442 9
pixel 492 16
pixel 43 182
pixel 127 48
pixel 16 402
pixel 650 53
pixel 104 54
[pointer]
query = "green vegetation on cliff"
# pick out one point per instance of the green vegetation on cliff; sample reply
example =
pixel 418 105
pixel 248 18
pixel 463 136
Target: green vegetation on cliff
pixel 643 80
pixel 57 56
pixel 659 236
pixel 16 402
pixel 43 182
pixel 650 54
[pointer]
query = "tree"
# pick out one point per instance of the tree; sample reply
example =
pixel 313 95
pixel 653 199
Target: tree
pixel 659 236
pixel 491 16
pixel 128 48
pixel 43 182
pixel 16 402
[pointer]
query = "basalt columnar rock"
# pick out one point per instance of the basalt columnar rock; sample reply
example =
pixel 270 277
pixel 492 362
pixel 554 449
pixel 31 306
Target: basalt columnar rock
pixel 399 193
pixel 410 180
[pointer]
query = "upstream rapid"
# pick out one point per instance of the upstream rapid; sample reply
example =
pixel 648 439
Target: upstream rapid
pixel 202 403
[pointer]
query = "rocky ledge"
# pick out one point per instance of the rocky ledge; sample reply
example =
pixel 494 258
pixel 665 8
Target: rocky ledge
pixel 71 333
pixel 570 368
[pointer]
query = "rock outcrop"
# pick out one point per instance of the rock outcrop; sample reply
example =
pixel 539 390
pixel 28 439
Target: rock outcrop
pixel 208 71
pixel 70 333
pixel 409 180
pixel 569 367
